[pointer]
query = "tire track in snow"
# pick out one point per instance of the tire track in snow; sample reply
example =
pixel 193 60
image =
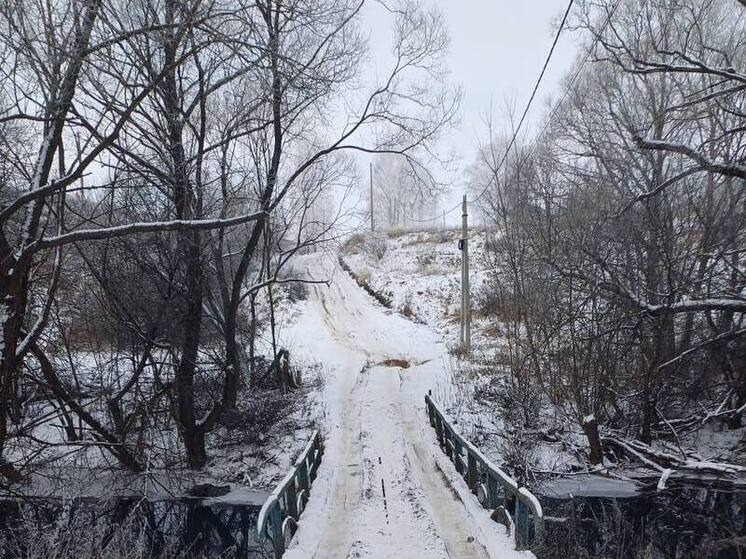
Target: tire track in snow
pixel 379 442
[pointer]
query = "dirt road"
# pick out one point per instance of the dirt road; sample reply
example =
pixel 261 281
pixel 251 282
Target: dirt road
pixel 384 490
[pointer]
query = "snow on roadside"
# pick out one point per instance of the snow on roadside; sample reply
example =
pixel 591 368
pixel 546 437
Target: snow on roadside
pixel 421 273
pixel 377 436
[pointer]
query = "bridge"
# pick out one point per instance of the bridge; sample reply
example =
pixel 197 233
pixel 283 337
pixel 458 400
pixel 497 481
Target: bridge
pixel 392 477
pixel 513 506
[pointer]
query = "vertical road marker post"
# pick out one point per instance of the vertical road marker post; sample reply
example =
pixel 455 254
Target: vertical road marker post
pixel 371 196
pixel 465 296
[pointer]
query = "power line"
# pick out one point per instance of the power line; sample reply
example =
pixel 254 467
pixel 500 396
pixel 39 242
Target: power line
pixel 523 116
pixel 531 99
pixel 574 77
pixel 557 105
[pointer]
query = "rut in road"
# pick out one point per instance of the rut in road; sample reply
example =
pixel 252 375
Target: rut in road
pixel 380 492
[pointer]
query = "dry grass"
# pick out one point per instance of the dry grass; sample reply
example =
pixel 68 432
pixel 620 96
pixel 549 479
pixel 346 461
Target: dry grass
pixel 493 329
pixel 354 244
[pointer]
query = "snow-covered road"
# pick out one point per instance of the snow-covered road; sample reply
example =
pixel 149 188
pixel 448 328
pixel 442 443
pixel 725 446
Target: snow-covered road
pixel 384 490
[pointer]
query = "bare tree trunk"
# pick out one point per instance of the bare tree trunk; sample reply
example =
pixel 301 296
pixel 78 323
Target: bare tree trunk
pixel 114 444
pixel 590 428
pixel 661 329
pixel 252 335
pixel 187 206
pixel 14 287
pixel 271 17
pixel 193 433
pixel 270 296
pixel 233 374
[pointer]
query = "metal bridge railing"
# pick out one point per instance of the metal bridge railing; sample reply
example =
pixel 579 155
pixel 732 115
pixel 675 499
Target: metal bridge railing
pixel 279 516
pixel 496 490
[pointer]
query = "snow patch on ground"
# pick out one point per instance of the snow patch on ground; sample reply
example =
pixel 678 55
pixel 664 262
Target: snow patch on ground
pixel 241 456
pixel 420 272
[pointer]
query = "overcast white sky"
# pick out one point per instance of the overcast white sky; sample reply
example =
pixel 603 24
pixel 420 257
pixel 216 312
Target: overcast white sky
pixel 497 50
pixel 496 53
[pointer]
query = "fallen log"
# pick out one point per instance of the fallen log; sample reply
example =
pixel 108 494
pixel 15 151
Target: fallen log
pixel 663 461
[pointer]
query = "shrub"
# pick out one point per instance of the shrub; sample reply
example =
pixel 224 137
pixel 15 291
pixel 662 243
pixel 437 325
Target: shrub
pixel 376 246
pixel 296 291
pixel 355 243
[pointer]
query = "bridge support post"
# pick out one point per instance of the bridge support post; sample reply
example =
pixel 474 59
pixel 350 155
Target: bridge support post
pixel 303 476
pixel 521 525
pixel 439 431
pixel 292 499
pixel 471 472
pixel 492 495
pixel 457 460
pixel 275 524
pixel 449 443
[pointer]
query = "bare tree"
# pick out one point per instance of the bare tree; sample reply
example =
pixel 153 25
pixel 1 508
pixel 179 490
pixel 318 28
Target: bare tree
pixel 177 135
pixel 617 257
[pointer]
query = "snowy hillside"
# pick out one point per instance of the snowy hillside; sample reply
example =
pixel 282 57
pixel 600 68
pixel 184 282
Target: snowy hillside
pixel 419 272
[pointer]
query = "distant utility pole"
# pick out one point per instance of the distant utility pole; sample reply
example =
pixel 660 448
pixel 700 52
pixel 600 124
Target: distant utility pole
pixel 465 302
pixel 371 196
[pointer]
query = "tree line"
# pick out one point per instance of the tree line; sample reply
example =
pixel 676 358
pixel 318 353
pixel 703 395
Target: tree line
pixel 161 162
pixel 617 259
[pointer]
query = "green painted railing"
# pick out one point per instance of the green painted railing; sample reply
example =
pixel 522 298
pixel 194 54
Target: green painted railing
pixel 516 506
pixel 279 516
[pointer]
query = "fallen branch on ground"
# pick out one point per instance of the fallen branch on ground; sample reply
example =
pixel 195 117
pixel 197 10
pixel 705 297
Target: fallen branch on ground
pixel 661 461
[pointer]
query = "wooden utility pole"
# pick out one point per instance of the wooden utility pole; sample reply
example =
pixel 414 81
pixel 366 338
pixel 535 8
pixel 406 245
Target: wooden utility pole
pixel 465 299
pixel 371 196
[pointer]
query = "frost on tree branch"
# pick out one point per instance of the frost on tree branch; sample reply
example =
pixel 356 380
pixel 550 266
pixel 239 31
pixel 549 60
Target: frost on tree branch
pixel 730 170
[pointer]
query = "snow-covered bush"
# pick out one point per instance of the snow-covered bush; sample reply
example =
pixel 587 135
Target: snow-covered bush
pixel 296 291
pixel 363 274
pixel 354 243
pixel 376 246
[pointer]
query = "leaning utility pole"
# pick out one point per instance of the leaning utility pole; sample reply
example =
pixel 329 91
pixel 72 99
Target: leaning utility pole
pixel 371 196
pixel 465 302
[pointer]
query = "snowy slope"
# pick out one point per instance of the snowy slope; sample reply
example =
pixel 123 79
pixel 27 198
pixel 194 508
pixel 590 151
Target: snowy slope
pixel 420 271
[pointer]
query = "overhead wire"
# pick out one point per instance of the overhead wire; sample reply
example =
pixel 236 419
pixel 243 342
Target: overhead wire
pixel 556 108
pixel 575 75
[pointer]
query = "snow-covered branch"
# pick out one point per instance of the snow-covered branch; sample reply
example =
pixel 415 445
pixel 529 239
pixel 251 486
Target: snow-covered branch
pixel 730 170
pixel 138 228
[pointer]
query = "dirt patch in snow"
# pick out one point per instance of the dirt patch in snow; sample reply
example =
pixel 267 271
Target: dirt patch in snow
pixel 401 363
